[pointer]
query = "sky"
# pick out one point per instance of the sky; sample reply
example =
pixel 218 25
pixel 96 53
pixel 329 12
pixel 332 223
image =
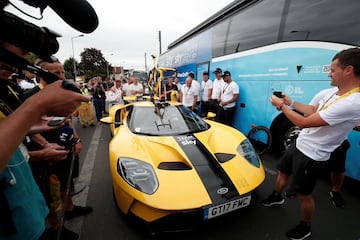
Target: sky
pixel 128 30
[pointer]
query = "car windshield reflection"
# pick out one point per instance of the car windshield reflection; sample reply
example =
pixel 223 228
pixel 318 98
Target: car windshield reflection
pixel 168 120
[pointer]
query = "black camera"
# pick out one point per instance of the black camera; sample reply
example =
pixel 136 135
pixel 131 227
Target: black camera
pixel 27 36
pixel 278 94
pixel 39 40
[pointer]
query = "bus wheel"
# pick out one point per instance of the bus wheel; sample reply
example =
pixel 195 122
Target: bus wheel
pixel 290 135
pixel 260 138
pixel 283 134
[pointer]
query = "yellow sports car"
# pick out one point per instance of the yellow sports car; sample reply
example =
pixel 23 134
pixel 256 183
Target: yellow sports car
pixel 170 168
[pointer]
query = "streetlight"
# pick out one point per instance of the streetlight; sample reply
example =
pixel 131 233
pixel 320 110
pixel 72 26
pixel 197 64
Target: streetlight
pixel 72 45
pixel 159 36
pixel 107 67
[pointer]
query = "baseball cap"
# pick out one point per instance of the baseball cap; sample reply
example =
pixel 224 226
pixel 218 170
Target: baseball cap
pixel 226 74
pixel 218 70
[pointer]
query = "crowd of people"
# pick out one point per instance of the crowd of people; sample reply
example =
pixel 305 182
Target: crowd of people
pixel 218 96
pixel 103 95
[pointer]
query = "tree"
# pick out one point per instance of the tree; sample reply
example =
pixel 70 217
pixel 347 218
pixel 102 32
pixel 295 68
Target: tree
pixel 92 58
pixel 69 67
pixel 93 63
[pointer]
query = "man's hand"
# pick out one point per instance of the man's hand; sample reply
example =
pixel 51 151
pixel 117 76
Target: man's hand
pixel 54 100
pixel 50 152
pixel 78 147
pixel 275 101
pixel 42 125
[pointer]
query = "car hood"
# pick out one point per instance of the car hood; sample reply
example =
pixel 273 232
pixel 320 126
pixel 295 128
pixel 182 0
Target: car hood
pixel 193 170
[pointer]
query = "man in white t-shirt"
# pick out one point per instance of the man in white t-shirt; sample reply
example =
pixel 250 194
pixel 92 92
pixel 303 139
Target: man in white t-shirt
pixel 189 94
pixel 136 88
pixel 196 84
pixel 336 161
pixel 126 88
pixel 324 127
pixel 216 90
pixel 228 96
pixel 206 90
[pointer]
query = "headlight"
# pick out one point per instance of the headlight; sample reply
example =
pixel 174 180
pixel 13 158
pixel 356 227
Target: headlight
pixel 138 174
pixel 248 152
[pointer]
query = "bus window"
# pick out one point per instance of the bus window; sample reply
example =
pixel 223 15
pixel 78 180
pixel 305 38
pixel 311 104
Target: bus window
pixel 218 38
pixel 319 20
pixel 255 26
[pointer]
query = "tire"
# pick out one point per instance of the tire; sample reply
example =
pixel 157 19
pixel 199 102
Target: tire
pixel 132 221
pixel 290 135
pixel 260 146
pixel 283 135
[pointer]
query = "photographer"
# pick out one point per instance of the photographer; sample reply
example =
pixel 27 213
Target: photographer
pixel 15 174
pixel 67 137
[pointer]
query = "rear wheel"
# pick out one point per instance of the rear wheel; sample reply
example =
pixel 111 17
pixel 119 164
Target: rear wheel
pixel 261 139
pixel 290 135
pixel 283 135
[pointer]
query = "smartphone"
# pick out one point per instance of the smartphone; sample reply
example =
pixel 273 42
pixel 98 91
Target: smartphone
pixel 278 94
pixel 55 121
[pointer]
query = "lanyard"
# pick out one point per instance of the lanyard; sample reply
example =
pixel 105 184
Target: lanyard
pixel 188 89
pixel 326 105
pixel 225 87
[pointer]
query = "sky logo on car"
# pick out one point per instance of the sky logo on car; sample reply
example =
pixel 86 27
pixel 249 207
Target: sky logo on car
pixel 186 140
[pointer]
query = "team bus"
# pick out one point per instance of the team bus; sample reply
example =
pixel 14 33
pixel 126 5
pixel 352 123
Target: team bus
pixel 271 45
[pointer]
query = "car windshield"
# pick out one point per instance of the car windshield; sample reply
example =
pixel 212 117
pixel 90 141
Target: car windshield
pixel 161 121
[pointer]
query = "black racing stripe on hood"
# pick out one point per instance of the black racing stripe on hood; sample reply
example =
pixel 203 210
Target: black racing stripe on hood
pixel 208 168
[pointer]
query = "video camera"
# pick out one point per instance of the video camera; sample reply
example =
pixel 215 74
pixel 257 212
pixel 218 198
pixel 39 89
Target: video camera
pixel 40 40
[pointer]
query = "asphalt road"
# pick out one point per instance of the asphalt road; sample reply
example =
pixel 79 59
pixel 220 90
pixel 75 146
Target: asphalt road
pixel 254 222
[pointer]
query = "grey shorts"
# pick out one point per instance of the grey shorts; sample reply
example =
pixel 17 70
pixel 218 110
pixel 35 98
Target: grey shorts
pixel 304 170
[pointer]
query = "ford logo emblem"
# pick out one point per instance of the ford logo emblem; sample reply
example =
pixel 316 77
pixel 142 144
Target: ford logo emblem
pixel 222 191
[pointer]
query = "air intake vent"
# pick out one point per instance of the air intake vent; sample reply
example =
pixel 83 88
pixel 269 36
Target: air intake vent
pixel 224 157
pixel 173 166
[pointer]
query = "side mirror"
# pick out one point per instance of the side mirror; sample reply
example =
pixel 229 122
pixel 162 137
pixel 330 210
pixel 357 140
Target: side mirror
pixel 211 116
pixel 107 120
pixel 129 99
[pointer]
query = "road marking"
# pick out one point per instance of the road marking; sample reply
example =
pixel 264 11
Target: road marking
pixel 85 177
pixel 270 171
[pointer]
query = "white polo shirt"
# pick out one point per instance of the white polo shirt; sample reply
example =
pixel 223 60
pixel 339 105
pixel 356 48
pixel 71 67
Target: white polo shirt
pixel 227 93
pixel 205 86
pixel 188 94
pixel 217 87
pixel 196 84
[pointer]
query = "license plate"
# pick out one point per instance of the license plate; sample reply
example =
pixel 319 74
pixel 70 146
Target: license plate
pixel 218 210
